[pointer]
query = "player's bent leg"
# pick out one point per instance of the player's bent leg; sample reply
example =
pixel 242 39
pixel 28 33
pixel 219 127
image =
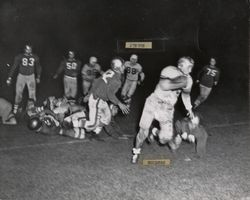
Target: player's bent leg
pixel 145 123
pixel 77 133
pixel 204 93
pixel 86 86
pixel 125 89
pixel 201 141
pixel 132 89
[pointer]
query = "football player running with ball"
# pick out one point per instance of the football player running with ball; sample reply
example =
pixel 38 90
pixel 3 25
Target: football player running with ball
pixel 160 104
pixel 102 93
pixel 134 76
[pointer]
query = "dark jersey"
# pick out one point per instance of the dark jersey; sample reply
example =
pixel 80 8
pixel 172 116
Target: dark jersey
pixel 90 72
pixel 27 64
pixel 208 76
pixel 70 67
pixel 106 86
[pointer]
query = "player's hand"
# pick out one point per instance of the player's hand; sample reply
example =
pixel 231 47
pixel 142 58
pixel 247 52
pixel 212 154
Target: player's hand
pixel 86 98
pixel 38 80
pixel 8 81
pixel 197 81
pixel 190 114
pixel 55 76
pixel 124 108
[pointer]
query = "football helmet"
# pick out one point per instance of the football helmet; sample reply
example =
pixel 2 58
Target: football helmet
pixel 34 124
pixel 186 64
pixel 117 64
pixel 92 60
pixel 28 49
pixel 133 58
pixel 71 54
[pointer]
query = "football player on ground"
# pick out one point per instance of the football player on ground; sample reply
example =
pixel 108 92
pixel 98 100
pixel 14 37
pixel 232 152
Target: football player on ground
pixel 160 104
pixel 207 78
pixel 71 68
pixel 55 118
pixel 134 76
pixel 29 73
pixel 6 112
pixel 102 93
pixel 90 72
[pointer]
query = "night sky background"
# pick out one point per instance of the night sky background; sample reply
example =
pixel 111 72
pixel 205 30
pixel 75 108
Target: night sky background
pixel 197 28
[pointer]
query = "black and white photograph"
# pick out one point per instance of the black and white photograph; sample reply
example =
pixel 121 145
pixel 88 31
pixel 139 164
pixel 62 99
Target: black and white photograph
pixel 124 100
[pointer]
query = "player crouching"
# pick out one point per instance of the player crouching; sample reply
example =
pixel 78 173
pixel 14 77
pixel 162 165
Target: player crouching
pixel 191 130
pixel 103 93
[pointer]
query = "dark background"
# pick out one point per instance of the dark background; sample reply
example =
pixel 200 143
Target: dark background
pixel 197 28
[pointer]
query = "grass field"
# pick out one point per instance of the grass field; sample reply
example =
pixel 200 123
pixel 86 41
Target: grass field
pixel 37 167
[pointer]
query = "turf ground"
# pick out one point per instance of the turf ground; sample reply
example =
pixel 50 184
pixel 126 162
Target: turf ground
pixel 37 167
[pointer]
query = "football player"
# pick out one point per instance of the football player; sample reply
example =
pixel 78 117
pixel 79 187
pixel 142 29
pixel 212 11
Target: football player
pixel 6 112
pixel 207 78
pixel 192 131
pixel 134 76
pixel 102 93
pixel 54 117
pixel 160 104
pixel 71 68
pixel 90 72
pixel 29 73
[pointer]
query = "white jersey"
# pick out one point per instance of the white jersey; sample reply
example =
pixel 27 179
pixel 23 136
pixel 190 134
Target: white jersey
pixel 171 96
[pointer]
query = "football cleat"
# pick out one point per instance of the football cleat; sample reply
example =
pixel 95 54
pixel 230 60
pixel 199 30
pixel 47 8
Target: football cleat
pixel 135 159
pixel 191 138
pixel 136 153
pixel 184 136
pixel 97 130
